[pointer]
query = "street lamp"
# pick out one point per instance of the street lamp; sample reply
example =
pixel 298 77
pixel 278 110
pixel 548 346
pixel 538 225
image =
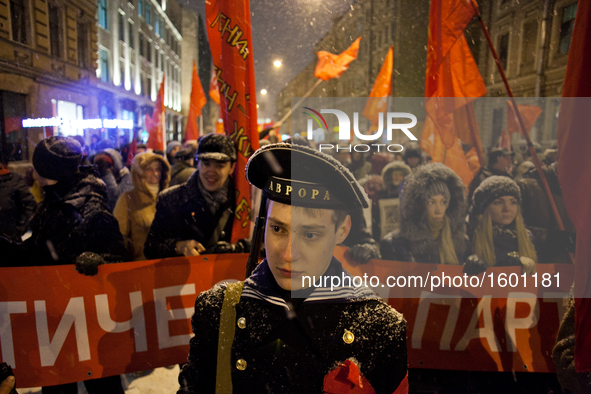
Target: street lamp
pixel 277 63
pixel 263 91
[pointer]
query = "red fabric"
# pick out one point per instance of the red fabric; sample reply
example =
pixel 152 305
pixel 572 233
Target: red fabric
pixel 466 128
pixel 132 150
pixel 382 88
pixel 505 140
pixel 4 170
pixel 155 124
pixel 529 114
pixel 214 92
pixel 453 157
pixel 403 386
pixel 331 66
pixel 574 172
pixel 451 69
pixel 230 40
pixel 346 379
pixel 198 100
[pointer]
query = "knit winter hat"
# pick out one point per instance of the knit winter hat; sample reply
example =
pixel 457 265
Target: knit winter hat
pixel 56 158
pixel 171 145
pixel 437 188
pixel 492 188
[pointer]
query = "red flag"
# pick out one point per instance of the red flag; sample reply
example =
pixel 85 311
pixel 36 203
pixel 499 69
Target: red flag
pixel 132 150
pixel 382 88
pixel 451 69
pixel 574 172
pixel 505 140
pixel 230 39
pixel 198 100
pixel 331 66
pixel 451 73
pixel 453 157
pixel 155 124
pixel 214 91
pixel 529 114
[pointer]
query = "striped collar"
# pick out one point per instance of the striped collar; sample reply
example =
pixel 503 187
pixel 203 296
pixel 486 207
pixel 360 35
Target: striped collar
pixel 261 285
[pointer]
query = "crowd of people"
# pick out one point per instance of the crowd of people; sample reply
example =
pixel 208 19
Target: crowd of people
pixel 179 203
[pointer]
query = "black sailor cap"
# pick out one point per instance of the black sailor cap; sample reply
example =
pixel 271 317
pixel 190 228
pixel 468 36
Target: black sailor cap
pixel 301 176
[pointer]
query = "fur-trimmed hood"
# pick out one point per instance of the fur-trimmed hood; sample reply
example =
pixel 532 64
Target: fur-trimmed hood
pixel 414 224
pixel 394 166
pixel 140 163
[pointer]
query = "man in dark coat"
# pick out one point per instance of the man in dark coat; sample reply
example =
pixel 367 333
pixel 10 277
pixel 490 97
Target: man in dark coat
pixel 183 166
pixel 196 217
pixel 276 332
pixel 71 226
pixel 500 162
pixel 16 204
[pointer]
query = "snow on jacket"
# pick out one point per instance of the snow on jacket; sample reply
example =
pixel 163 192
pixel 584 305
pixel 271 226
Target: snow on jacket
pixel 291 350
pixel 136 208
pixel 183 214
pixel 413 242
pixel 72 219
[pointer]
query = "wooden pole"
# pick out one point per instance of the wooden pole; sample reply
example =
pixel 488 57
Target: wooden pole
pixel 288 114
pixel 530 145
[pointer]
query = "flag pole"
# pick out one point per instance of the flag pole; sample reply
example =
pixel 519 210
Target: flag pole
pixel 288 114
pixel 520 119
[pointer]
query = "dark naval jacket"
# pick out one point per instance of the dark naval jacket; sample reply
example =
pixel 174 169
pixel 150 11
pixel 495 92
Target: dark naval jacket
pixel 289 350
pixel 183 214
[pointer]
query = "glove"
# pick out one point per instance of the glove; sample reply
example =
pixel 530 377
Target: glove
pixel 362 253
pixel 7 380
pixel 474 265
pixel 87 263
pixel 242 246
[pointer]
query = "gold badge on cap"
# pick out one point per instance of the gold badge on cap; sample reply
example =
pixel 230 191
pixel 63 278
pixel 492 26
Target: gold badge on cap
pixel 348 337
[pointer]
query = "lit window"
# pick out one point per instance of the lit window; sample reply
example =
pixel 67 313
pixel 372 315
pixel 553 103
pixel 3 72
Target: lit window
pixel 104 65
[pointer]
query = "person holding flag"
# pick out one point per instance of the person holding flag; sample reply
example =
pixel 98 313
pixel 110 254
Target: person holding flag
pixel 195 217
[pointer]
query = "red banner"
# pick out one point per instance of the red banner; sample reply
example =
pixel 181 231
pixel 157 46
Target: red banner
pixel 57 326
pixel 230 40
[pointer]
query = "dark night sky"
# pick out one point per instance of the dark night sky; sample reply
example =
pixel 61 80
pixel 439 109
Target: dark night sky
pixel 286 30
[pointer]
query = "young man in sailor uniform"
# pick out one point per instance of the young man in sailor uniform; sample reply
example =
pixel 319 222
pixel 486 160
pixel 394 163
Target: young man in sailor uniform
pixel 274 333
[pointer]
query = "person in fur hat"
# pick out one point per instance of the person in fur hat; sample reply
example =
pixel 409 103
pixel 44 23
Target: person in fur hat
pixel 115 175
pixel 432 211
pixel 393 175
pixel 135 209
pixel 497 231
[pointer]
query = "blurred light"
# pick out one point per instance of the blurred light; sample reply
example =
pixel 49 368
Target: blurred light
pixel 277 63
pixel 263 91
pixel 79 123
pixel 257 105
pixel 284 137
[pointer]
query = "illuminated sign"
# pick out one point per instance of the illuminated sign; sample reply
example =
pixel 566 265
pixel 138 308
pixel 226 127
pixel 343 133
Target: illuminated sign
pixel 79 123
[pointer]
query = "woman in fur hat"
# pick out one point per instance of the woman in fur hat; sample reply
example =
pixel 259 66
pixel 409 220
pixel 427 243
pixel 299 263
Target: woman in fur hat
pixel 498 233
pixel 135 209
pixel 432 210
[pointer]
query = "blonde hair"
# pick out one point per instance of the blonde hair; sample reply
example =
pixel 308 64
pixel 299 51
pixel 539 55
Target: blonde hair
pixel 483 244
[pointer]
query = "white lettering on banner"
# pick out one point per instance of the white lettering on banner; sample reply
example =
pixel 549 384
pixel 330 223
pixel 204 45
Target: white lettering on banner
pixel 137 321
pixel 423 311
pixel 73 315
pixel 164 315
pixel 6 309
pixel 513 323
pixel 487 331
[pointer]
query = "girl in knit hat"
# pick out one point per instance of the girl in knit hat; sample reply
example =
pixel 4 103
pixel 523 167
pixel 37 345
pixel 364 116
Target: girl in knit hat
pixel 432 211
pixel 498 233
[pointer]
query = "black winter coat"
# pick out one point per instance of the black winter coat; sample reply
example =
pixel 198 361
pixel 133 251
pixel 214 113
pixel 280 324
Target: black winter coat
pixel 180 173
pixel 183 214
pixel 72 219
pixel 290 351
pixel 16 206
